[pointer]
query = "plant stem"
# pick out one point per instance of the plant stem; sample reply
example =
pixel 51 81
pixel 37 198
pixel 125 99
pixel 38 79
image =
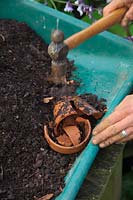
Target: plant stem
pixel 53 4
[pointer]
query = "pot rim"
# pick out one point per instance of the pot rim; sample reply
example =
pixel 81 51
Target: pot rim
pixel 68 150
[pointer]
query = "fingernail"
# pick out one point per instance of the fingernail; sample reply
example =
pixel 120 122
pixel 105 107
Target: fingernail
pixel 94 141
pixel 102 145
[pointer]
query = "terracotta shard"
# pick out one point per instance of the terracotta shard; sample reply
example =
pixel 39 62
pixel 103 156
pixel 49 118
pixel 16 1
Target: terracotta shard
pixel 73 133
pixel 98 115
pixel 64 140
pixel 82 107
pixel 70 120
pixel 63 110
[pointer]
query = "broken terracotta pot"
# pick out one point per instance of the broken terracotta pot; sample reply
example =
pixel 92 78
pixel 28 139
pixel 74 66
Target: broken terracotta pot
pixel 72 127
pixel 68 108
pixel 70 149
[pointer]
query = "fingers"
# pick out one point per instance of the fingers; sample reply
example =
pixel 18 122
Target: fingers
pixel 118 138
pixel 110 120
pixel 109 130
pixel 112 131
pixel 128 17
pixel 123 110
pixel 115 4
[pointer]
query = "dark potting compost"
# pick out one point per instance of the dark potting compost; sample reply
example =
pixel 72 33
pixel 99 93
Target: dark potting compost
pixel 29 168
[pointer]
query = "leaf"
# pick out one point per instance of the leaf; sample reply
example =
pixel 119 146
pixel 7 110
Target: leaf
pixel 46 197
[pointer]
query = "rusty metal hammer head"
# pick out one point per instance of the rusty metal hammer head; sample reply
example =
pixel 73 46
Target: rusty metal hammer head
pixel 58 51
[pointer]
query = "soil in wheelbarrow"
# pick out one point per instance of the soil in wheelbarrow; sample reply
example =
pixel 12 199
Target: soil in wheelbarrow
pixel 29 169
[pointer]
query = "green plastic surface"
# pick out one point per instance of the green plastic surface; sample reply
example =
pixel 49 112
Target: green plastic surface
pixel 104 66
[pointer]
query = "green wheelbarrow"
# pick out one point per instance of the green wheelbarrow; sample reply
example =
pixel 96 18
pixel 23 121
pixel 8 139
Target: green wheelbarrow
pixel 107 72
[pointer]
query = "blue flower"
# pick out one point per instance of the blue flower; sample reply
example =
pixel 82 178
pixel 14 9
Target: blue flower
pixel 78 2
pixel 68 7
pixel 88 10
pixel 80 9
pixel 130 38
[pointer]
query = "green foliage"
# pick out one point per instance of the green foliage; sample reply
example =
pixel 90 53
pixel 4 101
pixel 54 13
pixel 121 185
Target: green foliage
pixel 119 30
pixel 97 4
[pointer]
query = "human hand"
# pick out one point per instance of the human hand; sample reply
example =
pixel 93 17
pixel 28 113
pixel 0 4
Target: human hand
pixel 109 131
pixel 115 4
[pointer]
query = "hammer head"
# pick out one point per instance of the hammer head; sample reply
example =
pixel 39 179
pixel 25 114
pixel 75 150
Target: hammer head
pixel 57 36
pixel 58 51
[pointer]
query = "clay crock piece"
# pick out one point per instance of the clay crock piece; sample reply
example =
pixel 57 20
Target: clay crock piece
pixel 82 107
pixel 73 133
pixel 63 110
pixel 64 140
pixel 85 125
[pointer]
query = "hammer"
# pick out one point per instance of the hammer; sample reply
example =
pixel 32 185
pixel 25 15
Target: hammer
pixel 58 48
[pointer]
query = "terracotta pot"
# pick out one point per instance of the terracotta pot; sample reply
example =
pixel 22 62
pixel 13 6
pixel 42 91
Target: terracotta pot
pixel 71 149
pixel 71 124
pixel 68 108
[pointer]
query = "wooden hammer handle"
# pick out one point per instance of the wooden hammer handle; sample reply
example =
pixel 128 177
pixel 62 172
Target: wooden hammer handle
pixel 97 27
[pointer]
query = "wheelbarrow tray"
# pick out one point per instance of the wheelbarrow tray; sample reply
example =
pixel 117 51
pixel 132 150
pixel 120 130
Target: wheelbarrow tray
pixel 104 65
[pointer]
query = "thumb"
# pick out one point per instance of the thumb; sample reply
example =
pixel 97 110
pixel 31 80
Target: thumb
pixel 112 6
